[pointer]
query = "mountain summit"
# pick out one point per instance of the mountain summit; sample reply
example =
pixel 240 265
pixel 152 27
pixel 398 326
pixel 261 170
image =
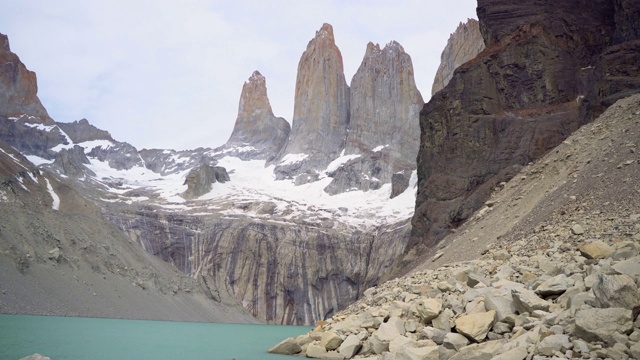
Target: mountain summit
pixel 257 133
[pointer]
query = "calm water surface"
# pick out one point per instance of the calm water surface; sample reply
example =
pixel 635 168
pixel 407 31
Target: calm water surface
pixel 87 338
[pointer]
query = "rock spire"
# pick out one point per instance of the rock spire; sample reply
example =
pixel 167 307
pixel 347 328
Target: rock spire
pixel 257 131
pixel 321 107
pixel 463 45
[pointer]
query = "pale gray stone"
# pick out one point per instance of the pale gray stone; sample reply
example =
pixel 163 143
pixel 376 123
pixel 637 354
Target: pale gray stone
pixel 616 291
pixel 36 357
pixel 553 343
pixel 434 334
pixel 427 309
pixel 483 351
pixel 443 321
pixel 455 341
pixel 330 340
pixel 316 351
pixel 501 301
pixel 418 353
pixel 577 229
pixel 527 301
pixel 350 346
pixel 518 353
pixel 288 346
pixel 629 267
pixel 600 324
pixel 554 286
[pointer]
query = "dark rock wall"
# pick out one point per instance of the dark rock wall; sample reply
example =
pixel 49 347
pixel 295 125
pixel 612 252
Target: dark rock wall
pixel 548 68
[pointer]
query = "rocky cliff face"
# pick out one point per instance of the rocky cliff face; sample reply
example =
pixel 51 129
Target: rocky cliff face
pixel 383 125
pixel 463 45
pixel 281 273
pixel 257 133
pixel 548 68
pixel 18 86
pixel 321 109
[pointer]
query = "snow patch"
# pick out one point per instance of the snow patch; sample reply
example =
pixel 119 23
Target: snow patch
pixel 92 144
pixel 379 148
pixel 335 164
pixel 37 160
pixel 292 159
pixel 54 196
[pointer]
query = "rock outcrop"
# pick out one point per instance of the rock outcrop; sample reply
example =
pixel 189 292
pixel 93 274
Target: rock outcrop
pixel 321 109
pixel 463 45
pixel 547 69
pixel 18 86
pixel 257 133
pixel 200 179
pixel 383 121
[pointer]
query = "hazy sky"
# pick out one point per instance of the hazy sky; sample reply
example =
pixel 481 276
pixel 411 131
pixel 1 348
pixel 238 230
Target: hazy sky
pixel 168 74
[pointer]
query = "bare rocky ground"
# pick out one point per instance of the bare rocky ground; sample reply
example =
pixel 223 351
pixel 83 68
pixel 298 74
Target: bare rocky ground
pixel 548 269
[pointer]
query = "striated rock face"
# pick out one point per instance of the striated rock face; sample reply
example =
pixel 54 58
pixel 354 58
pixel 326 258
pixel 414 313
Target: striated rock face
pixel 548 68
pixel 257 133
pixel 281 273
pixel 463 45
pixel 321 108
pixel 81 131
pixel 200 180
pixel 18 86
pixel 383 125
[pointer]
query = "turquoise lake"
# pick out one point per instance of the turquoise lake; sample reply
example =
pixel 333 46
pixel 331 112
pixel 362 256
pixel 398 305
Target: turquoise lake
pixel 87 338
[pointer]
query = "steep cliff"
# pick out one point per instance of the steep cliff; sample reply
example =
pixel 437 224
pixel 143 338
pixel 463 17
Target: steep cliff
pixel 463 45
pixel 257 133
pixel 548 68
pixel 383 125
pixel 18 86
pixel 321 109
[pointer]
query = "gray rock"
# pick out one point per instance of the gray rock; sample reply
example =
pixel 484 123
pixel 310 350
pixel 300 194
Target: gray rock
pixel 577 229
pixel 427 309
pixel 418 353
pixel 629 267
pixel 616 291
pixel 330 340
pixel 199 181
pixel 553 343
pixel 554 286
pixel 595 250
pixel 316 351
pixel 288 346
pixel 527 301
pixel 483 351
pixel 601 324
pixel 455 341
pixel 518 353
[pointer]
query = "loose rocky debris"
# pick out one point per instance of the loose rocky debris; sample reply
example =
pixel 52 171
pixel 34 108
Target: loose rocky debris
pixel 557 294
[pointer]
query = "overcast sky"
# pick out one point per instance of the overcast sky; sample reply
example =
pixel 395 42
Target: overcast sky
pixel 168 74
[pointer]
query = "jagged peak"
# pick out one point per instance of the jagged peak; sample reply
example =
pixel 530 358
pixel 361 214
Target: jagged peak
pixel 325 34
pixel 256 77
pixel 394 46
pixel 4 42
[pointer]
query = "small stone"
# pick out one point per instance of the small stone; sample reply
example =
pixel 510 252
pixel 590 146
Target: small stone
pixel 36 357
pixel 288 346
pixel 455 341
pixel 518 353
pixel 316 351
pixel 419 353
pixel 527 301
pixel 426 309
pixel 501 255
pixel 476 326
pixel 595 250
pixel 438 255
pixel 330 340
pixel 553 343
pixel 577 229
pixel 350 346
pixel 554 286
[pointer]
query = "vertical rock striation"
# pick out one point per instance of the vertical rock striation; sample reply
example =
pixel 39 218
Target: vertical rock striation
pixel 383 125
pixel 463 45
pixel 18 86
pixel 321 109
pixel 257 133
pixel 548 68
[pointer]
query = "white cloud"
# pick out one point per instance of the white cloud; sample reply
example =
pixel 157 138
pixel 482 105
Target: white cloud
pixel 169 74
